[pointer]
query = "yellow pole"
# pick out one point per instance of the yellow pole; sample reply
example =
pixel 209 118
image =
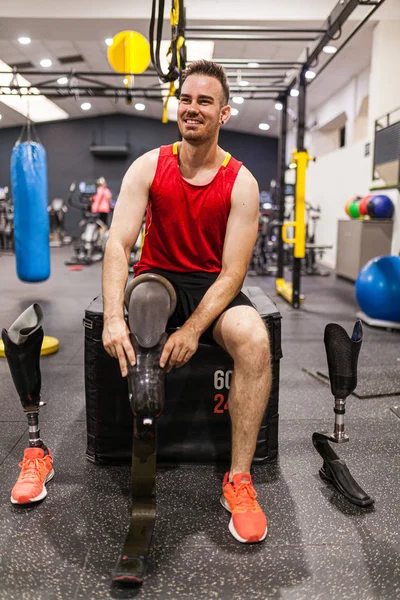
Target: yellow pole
pixel 301 160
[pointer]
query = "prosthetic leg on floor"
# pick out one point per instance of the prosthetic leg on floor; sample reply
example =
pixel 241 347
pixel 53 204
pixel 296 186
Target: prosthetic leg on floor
pixel 22 346
pixel 342 354
pixel 150 300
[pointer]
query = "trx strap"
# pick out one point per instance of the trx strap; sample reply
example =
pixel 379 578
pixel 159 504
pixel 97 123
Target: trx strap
pixel 177 47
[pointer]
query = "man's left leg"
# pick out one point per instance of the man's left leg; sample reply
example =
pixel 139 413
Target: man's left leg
pixel 242 333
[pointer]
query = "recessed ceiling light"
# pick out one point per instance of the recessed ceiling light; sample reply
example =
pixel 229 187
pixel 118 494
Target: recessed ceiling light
pixel 238 99
pixel 24 40
pixel 1 116
pixel 109 41
pixel 329 49
pixel 253 65
pixel 125 80
pixel 294 93
pixel 263 126
pixel 46 62
pixel 309 75
pixel 86 106
pixel 278 105
pixel 234 112
pixel 140 106
pixel 243 83
pixel 292 165
pixel 62 80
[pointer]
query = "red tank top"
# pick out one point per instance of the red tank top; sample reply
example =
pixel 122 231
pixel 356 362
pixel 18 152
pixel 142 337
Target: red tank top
pixel 186 223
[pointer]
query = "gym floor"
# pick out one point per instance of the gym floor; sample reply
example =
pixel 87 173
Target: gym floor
pixel 318 547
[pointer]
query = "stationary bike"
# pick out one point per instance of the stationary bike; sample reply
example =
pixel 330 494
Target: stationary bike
pixel 89 246
pixel 57 210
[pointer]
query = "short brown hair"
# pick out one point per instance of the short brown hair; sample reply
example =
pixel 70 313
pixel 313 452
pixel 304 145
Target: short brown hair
pixel 211 69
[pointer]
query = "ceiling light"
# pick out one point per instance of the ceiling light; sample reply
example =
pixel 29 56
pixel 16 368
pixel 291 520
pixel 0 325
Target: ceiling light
pixel 263 126
pixel 23 91
pixel 109 41
pixel 238 99
pixel 62 80
pixel 253 65
pixel 140 106
pixel 329 49
pixel 1 116
pixel 86 106
pixel 24 40
pixel 234 112
pixel 243 83
pixel 38 107
pixel 125 81
pixel 294 93
pixel 278 105
pixel 309 75
pixel 46 62
pixel 292 165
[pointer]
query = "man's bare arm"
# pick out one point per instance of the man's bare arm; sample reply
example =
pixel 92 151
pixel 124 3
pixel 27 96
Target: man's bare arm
pixel 125 228
pixel 241 234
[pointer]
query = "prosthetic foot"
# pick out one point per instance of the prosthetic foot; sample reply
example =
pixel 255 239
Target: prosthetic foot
pixel 22 346
pixel 150 300
pixel 342 354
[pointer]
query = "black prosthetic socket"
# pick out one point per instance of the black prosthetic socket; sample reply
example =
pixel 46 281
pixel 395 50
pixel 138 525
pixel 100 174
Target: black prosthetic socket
pixel 146 380
pixel 342 355
pixel 150 300
pixel 22 346
pixel 24 363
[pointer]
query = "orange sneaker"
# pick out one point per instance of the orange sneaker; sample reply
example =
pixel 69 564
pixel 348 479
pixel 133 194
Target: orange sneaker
pixel 36 471
pixel 248 523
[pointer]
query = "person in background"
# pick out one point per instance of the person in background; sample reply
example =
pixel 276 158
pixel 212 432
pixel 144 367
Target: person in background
pixel 101 201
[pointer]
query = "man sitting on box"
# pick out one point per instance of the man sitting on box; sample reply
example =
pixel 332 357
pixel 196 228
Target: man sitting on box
pixel 201 226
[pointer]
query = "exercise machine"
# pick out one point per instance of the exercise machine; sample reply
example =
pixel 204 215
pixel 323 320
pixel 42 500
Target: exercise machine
pixel 6 220
pixel 57 210
pixel 89 246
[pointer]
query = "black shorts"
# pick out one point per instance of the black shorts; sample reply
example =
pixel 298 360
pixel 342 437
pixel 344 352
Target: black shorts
pixel 190 289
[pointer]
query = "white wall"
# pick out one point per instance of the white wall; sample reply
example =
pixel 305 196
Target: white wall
pixel 331 181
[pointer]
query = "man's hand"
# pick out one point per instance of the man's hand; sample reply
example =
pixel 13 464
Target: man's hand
pixel 117 343
pixel 179 348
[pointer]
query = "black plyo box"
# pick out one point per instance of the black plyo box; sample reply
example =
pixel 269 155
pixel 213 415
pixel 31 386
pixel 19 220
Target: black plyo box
pixel 195 423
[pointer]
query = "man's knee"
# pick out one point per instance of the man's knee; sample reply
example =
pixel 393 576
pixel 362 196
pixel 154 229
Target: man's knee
pixel 242 332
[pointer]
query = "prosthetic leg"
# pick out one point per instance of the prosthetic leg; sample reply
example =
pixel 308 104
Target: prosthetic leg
pixel 342 354
pixel 150 300
pixel 22 346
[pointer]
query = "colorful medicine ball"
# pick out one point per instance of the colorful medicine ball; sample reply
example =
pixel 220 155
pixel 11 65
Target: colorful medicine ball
pixel 354 209
pixel 349 202
pixel 364 204
pixel 380 207
pixel 378 288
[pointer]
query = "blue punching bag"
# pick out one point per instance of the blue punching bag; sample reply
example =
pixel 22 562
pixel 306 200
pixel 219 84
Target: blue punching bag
pixel 31 220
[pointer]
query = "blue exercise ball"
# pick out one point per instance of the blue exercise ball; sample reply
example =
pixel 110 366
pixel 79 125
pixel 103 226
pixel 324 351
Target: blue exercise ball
pixel 380 207
pixel 378 288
